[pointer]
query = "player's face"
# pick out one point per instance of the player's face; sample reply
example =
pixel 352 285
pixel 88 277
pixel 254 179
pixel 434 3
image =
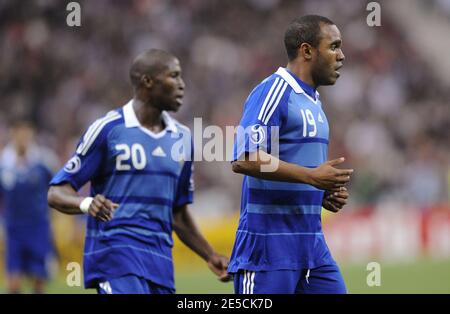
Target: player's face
pixel 168 89
pixel 330 57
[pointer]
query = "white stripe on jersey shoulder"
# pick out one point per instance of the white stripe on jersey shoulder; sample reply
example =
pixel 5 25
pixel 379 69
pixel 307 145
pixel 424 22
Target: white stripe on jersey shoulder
pixel 93 126
pixel 274 105
pixel 269 96
pixel 94 130
pixel 293 83
pixel 272 99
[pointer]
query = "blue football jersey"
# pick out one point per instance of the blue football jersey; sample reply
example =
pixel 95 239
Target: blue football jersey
pixel 24 187
pixel 280 222
pixel 148 174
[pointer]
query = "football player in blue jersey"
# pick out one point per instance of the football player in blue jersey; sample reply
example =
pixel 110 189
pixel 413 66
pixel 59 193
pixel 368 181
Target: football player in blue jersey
pixel 140 186
pixel 280 246
pixel 25 170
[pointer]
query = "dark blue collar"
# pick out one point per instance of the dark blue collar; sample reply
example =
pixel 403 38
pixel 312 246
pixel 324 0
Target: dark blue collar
pixel 311 91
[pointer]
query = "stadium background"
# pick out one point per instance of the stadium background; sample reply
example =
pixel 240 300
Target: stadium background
pixel 389 115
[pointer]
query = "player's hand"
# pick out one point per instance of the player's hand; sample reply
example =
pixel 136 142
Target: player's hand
pixel 218 265
pixel 102 208
pixel 334 200
pixel 327 177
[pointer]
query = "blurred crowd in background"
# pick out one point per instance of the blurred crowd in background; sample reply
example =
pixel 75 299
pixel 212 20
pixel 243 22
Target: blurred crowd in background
pixel 389 112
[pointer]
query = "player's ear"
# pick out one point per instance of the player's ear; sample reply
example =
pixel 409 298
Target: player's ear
pixel 306 51
pixel 146 81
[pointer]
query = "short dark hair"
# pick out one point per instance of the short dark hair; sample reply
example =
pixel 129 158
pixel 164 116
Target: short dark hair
pixel 150 62
pixel 305 29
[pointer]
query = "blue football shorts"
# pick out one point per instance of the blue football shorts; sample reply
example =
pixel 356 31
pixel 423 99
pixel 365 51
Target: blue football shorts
pixel 131 284
pixel 326 279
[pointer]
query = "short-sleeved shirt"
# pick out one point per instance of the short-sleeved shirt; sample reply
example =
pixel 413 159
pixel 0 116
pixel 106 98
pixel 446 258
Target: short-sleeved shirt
pixel 148 174
pixel 280 222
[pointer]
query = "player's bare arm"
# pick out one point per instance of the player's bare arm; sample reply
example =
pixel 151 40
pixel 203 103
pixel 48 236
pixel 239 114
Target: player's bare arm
pixel 188 232
pixel 66 200
pixel 326 176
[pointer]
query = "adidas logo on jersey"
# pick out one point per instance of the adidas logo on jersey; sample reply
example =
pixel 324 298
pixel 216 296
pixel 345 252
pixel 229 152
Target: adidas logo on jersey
pixel 158 152
pixel 320 119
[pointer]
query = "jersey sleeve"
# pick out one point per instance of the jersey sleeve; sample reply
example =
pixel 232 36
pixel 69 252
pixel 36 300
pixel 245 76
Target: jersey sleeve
pixel 86 163
pixel 185 189
pixel 264 112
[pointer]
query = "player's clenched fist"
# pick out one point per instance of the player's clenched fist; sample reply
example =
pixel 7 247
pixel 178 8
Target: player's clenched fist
pixel 334 200
pixel 218 265
pixel 102 208
pixel 327 177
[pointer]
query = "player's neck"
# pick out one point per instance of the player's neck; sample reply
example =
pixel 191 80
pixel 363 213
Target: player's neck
pixel 149 116
pixel 302 72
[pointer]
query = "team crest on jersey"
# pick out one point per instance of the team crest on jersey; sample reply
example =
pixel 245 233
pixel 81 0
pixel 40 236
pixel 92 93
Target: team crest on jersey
pixel 73 165
pixel 258 135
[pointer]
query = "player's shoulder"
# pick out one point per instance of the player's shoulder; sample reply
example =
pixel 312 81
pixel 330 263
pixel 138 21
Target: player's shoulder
pixel 112 117
pixel 100 128
pixel 108 120
pixel 268 99
pixel 273 87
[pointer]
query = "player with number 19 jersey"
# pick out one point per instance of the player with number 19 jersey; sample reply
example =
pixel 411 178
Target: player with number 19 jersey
pixel 147 174
pixel 280 222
